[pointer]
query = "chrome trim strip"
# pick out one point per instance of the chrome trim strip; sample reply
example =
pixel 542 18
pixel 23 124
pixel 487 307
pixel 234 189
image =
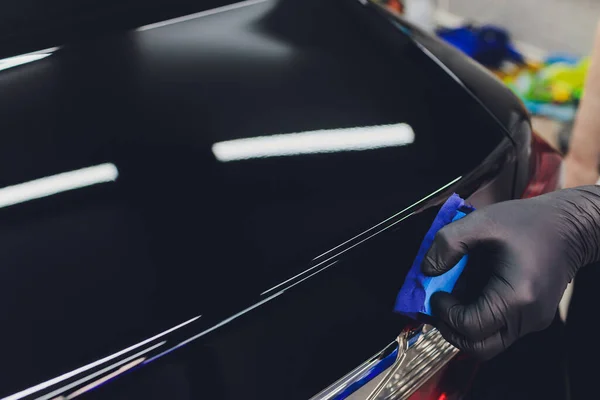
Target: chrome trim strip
pixel 352 381
pixel 420 363
pixel 415 356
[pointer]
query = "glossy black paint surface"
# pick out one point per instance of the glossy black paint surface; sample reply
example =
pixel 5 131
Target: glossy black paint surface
pixel 489 91
pixel 180 234
pixel 30 25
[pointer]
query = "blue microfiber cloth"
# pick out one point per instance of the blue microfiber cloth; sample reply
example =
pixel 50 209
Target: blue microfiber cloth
pixel 414 295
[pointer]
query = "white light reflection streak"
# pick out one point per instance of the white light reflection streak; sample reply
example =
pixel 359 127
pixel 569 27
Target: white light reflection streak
pixel 87 367
pixel 440 63
pixel 11 62
pixel 98 373
pixel 200 14
pixel 313 142
pixel 220 324
pixel 313 274
pixel 336 255
pixel 105 379
pixel 361 234
pixel 446 186
pixel 54 184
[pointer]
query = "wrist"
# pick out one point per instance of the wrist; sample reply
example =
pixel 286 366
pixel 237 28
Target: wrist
pixel 580 160
pixel 579 171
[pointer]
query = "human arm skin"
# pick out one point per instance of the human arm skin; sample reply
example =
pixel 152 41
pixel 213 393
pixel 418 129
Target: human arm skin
pixel 583 158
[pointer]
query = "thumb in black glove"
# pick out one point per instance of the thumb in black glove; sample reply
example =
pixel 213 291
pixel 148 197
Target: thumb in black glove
pixel 531 250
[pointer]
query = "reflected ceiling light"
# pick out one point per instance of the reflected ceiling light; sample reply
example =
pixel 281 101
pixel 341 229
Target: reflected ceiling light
pixel 105 379
pixel 323 141
pixel 10 62
pixel 57 183
pixel 69 375
pixel 56 394
pixel 200 14
pixel 220 324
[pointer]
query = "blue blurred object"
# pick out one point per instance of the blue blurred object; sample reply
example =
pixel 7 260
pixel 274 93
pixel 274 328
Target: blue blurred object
pixel 559 112
pixel 490 45
pixel 415 293
pixel 562 58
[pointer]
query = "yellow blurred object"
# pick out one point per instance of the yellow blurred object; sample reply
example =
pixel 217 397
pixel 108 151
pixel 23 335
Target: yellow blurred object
pixel 568 74
pixel 534 65
pixel 561 92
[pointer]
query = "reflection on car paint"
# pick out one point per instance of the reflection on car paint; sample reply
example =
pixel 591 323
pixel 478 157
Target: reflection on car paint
pixel 303 279
pixel 220 324
pixel 15 61
pixel 123 368
pixel 59 183
pixel 315 142
pixel 97 383
pixel 200 14
pixel 361 236
pixel 446 186
pixel 97 363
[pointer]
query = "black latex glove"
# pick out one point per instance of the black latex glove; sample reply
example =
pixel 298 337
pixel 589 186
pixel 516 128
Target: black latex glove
pixel 531 249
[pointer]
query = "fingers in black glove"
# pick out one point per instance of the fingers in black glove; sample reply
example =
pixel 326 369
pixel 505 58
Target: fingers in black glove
pixel 475 322
pixel 529 249
pixel 484 349
pixel 450 245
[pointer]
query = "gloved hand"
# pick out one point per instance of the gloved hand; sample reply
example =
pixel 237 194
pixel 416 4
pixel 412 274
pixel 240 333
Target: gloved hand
pixel 531 250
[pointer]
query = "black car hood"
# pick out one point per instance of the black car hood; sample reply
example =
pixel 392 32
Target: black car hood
pixel 178 229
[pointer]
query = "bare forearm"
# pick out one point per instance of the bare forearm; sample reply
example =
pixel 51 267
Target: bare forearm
pixel 584 149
